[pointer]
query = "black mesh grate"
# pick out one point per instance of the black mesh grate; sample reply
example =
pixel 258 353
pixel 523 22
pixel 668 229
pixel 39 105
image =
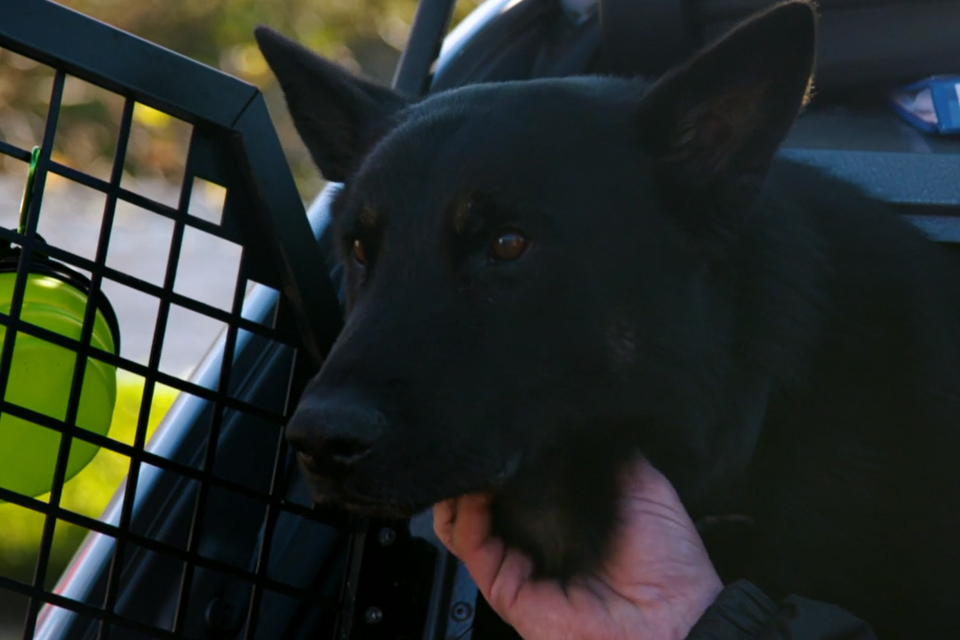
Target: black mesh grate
pixel 282 312
pixel 212 534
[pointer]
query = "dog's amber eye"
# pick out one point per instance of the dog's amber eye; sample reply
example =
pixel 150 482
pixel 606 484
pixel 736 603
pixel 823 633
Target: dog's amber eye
pixel 510 245
pixel 359 253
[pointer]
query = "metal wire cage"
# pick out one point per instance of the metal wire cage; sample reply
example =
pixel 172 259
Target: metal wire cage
pixel 212 534
pixel 231 471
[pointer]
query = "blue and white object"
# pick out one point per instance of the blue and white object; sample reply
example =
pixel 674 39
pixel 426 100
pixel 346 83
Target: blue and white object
pixel 931 105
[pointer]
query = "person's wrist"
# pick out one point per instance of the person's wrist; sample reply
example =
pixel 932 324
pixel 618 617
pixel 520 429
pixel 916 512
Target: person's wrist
pixel 698 601
pixel 672 615
pixel 740 607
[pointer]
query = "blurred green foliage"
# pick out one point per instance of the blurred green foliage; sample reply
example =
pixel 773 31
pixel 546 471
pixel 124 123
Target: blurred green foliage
pixel 365 36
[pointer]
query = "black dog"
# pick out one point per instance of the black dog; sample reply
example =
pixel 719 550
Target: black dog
pixel 547 277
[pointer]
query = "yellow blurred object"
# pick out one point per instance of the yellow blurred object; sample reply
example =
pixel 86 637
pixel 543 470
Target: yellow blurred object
pixel 88 493
pixel 150 117
pixel 249 62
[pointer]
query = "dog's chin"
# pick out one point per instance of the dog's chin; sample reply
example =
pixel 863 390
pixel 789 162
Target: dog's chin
pixel 339 495
pixel 384 510
pixel 372 508
pixel 324 494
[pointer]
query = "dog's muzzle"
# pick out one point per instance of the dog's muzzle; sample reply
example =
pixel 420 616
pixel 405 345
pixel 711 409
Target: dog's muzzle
pixel 333 433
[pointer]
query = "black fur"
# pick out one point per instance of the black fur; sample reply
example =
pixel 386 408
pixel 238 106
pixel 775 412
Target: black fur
pixel 781 346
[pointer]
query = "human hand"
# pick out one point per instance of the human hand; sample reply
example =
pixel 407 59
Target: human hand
pixel 656 584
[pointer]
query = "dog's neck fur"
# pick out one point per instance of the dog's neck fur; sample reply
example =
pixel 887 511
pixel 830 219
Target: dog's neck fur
pixel 794 266
pixel 859 452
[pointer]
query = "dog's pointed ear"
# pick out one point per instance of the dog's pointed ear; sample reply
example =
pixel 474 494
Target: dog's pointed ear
pixel 335 113
pixel 716 122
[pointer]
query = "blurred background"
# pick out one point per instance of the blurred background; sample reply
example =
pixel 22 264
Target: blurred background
pixel 365 36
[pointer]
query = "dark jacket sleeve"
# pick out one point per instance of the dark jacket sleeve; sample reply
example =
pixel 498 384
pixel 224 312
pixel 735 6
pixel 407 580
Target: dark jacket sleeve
pixel 743 612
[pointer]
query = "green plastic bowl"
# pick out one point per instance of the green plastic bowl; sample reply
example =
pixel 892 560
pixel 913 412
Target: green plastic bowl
pixel 41 374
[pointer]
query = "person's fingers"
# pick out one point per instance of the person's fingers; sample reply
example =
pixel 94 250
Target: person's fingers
pixel 507 581
pixel 469 540
pixel 647 493
pixel 642 478
pixel 444 516
pixel 470 526
pixel 483 563
pixel 463 525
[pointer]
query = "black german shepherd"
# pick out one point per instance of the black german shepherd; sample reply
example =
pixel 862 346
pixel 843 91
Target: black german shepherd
pixel 545 278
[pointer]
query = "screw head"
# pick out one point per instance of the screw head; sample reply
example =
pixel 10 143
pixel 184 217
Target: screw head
pixel 461 611
pixel 387 537
pixel 222 616
pixel 372 615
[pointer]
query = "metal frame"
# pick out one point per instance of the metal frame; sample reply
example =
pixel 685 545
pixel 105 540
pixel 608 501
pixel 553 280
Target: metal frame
pixel 211 424
pixel 285 325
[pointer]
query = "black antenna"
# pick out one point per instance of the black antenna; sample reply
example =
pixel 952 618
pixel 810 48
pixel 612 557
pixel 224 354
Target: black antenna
pixel 430 25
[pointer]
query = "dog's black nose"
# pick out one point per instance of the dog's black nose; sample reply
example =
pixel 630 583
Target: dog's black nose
pixel 334 432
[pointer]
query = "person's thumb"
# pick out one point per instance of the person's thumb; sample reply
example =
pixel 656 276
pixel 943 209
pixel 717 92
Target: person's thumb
pixel 463 525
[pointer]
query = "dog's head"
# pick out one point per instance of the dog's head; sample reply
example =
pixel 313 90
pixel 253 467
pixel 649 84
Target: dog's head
pixel 527 260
